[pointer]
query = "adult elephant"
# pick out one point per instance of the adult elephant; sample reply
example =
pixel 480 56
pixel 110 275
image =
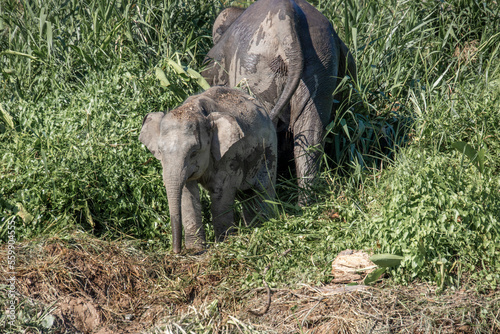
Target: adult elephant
pixel 287 54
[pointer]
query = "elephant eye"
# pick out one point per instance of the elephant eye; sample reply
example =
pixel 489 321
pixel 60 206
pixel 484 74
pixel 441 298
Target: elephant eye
pixel 192 155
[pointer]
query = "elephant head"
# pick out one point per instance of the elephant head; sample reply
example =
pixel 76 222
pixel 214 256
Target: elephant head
pixel 187 141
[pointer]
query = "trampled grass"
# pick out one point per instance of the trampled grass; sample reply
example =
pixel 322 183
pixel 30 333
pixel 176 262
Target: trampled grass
pixel 412 159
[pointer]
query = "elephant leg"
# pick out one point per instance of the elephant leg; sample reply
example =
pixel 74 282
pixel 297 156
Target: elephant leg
pixel 256 206
pixel 308 137
pixel 191 216
pixel 222 211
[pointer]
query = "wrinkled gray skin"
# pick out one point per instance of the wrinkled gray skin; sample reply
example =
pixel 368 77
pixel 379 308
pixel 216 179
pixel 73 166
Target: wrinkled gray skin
pixel 223 21
pixel 289 56
pixel 222 139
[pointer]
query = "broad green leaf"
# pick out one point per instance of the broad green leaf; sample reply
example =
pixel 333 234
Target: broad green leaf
pixel 49 38
pixel 374 276
pixel 90 220
pixel 476 157
pixel 199 78
pixel 177 68
pixel 23 213
pixel 361 127
pixel 354 36
pixel 386 260
pixel 480 159
pixel 346 129
pixel 96 25
pixel 6 117
pixel 160 75
pixel 42 18
pixel 465 148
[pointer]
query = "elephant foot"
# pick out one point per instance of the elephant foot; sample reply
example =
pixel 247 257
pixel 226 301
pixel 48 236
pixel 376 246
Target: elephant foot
pixel 196 247
pixel 195 244
pixel 195 252
pixel 222 234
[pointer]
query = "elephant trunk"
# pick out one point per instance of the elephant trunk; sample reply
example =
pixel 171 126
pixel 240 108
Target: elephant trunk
pixel 174 183
pixel 295 55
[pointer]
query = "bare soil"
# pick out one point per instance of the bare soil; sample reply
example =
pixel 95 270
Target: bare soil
pixel 96 286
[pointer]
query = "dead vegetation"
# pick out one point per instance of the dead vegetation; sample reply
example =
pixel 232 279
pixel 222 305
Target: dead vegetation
pixel 468 52
pixel 357 309
pixel 102 287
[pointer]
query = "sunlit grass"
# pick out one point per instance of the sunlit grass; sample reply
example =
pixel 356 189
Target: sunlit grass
pixel 77 78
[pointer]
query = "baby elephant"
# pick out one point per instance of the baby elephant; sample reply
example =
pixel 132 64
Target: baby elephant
pixel 222 139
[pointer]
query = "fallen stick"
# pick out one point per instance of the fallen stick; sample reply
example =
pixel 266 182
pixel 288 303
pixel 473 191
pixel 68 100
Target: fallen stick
pixel 268 290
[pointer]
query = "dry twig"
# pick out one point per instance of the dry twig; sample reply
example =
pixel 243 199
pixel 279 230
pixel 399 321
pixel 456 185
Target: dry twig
pixel 268 290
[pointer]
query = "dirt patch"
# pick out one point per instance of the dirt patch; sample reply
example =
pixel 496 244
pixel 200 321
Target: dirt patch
pixel 351 266
pixel 80 313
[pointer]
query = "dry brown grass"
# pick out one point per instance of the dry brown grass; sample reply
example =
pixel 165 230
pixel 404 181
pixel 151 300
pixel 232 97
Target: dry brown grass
pixel 112 287
pixel 107 286
pixel 415 309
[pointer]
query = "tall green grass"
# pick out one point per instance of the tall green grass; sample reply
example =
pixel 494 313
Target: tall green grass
pixel 78 77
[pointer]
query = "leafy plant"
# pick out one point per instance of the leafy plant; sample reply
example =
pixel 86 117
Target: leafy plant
pixel 383 261
pixel 439 216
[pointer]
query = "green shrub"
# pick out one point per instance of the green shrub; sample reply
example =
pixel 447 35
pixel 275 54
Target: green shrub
pixel 437 211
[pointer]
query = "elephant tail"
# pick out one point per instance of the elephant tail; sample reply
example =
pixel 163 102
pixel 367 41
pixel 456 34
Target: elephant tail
pixel 291 44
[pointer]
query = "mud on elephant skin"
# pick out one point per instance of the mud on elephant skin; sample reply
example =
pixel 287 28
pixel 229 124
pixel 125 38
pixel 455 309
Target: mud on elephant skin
pixel 290 57
pixel 222 139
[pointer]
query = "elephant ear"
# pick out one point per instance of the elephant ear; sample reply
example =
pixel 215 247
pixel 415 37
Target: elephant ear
pixel 150 132
pixel 225 133
pixel 223 21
